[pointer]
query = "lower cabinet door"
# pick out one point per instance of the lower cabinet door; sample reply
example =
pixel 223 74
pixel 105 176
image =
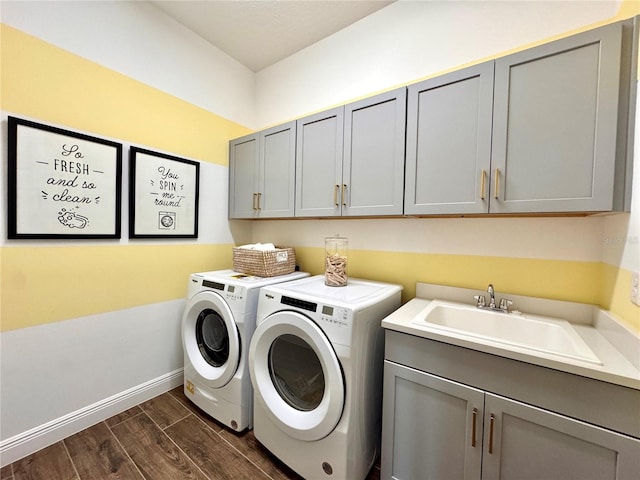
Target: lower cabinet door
pixel 527 443
pixel 431 427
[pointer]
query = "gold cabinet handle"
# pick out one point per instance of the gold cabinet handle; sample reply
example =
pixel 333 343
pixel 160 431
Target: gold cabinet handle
pixel 344 189
pixel 335 195
pixel 491 422
pixel 473 426
pixel 497 184
pixel 483 181
pixel 259 199
pixel 255 197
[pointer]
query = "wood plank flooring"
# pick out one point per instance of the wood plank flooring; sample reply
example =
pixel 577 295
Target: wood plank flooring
pixel 166 438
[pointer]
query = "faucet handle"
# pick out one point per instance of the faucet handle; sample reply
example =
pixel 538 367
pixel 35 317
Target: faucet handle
pixel 505 304
pixel 480 300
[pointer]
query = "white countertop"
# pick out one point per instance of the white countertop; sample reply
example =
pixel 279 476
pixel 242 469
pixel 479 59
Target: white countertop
pixel 617 347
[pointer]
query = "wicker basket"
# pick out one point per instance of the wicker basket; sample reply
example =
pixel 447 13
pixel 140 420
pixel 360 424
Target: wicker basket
pixel 268 263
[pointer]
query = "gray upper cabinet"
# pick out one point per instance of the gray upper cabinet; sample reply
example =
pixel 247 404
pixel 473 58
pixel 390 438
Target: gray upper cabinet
pixel 262 174
pixel 373 161
pixel 319 164
pixel 540 131
pixel 243 175
pixel 350 160
pixel 449 143
pixel 560 110
pixel 545 130
pixel 277 171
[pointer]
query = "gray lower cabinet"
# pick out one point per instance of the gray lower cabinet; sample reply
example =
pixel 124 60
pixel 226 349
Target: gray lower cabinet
pixel 435 428
pixel 528 443
pixel 543 130
pixel 262 174
pixel 350 160
pixel 431 427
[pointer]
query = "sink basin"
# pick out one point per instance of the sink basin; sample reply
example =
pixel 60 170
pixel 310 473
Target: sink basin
pixel 542 334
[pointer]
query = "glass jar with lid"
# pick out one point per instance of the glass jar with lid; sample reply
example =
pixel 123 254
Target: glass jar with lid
pixel 335 263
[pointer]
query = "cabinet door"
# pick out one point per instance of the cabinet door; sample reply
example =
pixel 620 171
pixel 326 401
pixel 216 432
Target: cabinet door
pixel 431 427
pixel 276 193
pixel 449 143
pixel 243 176
pixel 555 125
pixel 527 443
pixel 373 164
pixel 319 164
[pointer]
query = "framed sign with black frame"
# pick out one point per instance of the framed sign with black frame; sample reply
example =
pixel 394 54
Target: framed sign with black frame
pixel 163 195
pixel 62 184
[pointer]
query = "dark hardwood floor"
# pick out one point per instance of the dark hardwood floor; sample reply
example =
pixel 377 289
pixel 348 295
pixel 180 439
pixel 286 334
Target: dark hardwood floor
pixel 166 438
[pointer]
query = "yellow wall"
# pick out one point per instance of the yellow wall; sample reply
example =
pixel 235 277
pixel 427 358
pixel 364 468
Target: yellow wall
pixel 51 85
pixel 555 279
pixel 592 282
pixel 45 82
pixel 615 294
pixel 595 283
pixel 46 283
pixel 616 282
pixel 628 9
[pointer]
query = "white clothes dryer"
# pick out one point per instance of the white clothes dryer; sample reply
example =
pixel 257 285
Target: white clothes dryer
pixel 316 362
pixel 217 325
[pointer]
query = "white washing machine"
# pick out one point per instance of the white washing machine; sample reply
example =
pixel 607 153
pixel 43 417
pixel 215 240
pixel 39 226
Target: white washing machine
pixel 316 361
pixel 217 325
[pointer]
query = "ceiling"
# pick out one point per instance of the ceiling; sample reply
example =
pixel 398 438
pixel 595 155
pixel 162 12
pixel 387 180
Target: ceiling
pixel 259 33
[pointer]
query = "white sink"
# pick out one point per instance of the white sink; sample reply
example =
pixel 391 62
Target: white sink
pixel 542 334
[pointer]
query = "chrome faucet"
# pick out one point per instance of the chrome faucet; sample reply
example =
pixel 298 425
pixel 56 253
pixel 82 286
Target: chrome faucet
pixel 492 295
pixel 481 301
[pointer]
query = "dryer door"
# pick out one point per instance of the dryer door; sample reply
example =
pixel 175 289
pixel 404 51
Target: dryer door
pixel 210 338
pixel 296 375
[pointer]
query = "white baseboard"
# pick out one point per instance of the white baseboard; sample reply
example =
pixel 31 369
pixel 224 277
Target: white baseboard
pixel 37 438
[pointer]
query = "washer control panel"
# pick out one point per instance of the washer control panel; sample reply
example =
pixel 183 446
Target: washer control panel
pixel 229 292
pixel 335 321
pixel 213 285
pixel 335 315
pixel 299 303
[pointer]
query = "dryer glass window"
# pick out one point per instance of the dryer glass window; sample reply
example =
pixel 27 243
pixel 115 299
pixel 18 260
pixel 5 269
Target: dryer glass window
pixel 296 372
pixel 212 337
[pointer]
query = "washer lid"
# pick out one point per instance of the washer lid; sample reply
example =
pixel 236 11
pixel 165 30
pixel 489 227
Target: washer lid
pixel 231 277
pixel 210 338
pixel 296 376
pixel 356 294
